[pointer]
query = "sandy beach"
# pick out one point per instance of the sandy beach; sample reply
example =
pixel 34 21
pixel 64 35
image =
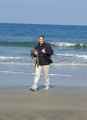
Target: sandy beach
pixel 56 104
pixel 65 100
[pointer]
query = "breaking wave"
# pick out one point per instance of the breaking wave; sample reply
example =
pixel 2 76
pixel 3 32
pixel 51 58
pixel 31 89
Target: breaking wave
pixel 69 45
pixel 32 43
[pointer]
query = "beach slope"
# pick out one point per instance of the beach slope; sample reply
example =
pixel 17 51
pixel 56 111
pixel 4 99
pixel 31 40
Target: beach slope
pixel 58 104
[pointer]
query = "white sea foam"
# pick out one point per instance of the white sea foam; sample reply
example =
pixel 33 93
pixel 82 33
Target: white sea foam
pixel 14 59
pixel 68 44
pixel 54 64
pixel 26 73
pixel 72 55
pixel 10 57
pixel 62 44
pixel 69 59
pixel 82 56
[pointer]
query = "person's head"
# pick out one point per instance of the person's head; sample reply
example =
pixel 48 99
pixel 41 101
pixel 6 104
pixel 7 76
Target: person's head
pixel 41 39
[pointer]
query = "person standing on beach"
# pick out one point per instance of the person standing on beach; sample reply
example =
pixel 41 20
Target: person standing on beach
pixel 42 55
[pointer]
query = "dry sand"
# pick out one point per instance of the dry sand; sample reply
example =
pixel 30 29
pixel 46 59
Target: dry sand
pixel 56 104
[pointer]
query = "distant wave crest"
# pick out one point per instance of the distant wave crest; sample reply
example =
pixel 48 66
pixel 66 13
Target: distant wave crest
pixel 69 45
pixel 32 43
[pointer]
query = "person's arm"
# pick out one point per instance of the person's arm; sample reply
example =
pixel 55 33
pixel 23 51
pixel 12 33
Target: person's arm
pixel 34 52
pixel 48 51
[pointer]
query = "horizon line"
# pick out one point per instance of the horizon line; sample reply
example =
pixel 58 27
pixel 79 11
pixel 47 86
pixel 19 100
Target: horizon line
pixel 42 24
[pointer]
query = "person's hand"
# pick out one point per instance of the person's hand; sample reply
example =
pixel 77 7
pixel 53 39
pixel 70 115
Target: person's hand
pixel 43 51
pixel 35 52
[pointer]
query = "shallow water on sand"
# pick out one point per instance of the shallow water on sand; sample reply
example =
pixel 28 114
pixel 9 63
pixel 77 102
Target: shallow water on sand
pixel 22 75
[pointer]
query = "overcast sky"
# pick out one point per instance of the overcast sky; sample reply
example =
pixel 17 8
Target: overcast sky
pixel 44 11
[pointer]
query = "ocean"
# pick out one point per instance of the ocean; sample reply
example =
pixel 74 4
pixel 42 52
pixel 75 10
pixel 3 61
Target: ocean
pixel 70 52
pixel 69 42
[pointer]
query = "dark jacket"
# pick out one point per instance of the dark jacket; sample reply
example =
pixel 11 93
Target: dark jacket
pixel 43 58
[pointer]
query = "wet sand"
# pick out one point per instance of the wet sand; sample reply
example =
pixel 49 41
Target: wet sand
pixel 56 104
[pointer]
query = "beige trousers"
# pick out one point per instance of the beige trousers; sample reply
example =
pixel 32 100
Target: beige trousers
pixel 38 71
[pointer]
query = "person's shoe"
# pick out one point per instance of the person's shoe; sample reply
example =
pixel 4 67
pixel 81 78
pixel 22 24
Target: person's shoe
pixel 33 90
pixel 46 88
